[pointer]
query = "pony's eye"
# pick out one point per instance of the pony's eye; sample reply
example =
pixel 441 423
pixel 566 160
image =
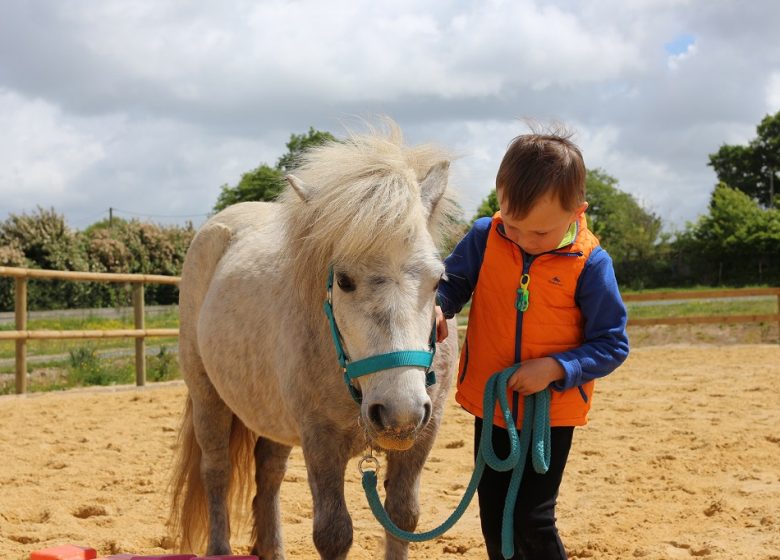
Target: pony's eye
pixel 345 283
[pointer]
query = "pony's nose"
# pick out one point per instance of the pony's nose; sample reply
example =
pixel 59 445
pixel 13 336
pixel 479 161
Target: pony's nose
pixel 390 420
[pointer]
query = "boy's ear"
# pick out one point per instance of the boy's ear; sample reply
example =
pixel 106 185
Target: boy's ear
pixel 580 209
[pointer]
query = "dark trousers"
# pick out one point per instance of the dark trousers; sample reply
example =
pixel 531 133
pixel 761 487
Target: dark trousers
pixel 535 534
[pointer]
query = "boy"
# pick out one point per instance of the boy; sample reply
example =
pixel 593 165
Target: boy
pixel 544 296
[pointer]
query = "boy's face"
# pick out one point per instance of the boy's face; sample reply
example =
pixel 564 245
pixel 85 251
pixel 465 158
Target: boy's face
pixel 543 228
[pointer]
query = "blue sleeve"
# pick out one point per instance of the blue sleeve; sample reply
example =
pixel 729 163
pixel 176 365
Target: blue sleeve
pixel 606 342
pixel 462 269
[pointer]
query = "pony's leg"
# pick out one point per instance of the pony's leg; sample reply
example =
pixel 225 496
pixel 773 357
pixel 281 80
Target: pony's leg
pixel 327 451
pixel 402 490
pixel 212 421
pixel 270 466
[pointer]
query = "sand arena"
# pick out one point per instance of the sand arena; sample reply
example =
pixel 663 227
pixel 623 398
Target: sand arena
pixel 680 460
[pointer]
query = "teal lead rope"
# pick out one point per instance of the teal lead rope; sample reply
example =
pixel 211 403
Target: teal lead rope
pixel 534 435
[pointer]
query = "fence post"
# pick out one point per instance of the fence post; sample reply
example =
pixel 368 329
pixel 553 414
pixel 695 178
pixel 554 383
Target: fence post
pixel 20 316
pixel 140 342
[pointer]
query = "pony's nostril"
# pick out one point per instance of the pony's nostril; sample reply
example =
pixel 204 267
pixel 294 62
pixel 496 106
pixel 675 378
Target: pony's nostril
pixel 426 415
pixel 375 415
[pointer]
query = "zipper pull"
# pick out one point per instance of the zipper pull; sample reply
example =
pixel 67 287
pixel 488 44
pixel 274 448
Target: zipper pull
pixel 521 303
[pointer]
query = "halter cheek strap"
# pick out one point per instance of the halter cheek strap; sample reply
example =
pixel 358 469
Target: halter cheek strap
pixel 403 358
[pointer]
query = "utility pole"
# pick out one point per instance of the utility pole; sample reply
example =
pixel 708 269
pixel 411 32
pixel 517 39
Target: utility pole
pixel 110 218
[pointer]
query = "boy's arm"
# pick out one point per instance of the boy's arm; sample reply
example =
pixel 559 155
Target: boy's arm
pixel 462 269
pixel 606 342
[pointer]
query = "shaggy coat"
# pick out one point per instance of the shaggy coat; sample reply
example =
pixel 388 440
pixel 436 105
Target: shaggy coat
pixel 259 361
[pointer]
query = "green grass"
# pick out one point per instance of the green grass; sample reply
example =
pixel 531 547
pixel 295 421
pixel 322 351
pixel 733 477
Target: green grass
pixel 694 307
pixel 168 320
pixel 84 367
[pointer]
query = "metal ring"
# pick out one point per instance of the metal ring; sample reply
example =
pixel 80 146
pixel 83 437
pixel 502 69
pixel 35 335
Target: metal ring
pixel 370 460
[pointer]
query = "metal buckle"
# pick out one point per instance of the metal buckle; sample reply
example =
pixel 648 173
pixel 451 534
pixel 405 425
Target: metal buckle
pixel 372 462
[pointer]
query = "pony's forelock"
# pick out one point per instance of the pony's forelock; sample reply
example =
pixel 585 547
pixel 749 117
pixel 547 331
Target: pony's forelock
pixel 365 197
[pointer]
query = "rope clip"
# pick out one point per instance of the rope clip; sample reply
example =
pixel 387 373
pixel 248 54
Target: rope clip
pixel 368 463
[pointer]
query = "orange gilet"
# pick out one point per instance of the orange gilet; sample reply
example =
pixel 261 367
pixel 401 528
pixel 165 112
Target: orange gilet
pixel 499 335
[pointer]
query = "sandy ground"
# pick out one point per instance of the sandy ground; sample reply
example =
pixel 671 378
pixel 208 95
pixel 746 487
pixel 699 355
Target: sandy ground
pixel 681 459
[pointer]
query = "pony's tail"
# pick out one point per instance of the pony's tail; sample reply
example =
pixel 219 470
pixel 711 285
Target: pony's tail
pixel 188 518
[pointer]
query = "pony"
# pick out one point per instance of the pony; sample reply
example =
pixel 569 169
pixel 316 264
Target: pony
pixel 257 354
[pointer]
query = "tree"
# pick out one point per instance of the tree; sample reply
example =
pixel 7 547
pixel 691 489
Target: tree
pixel 266 182
pixel 488 207
pixel 631 234
pixel 737 242
pixel 298 144
pixel 263 183
pixel 753 169
pixel 625 228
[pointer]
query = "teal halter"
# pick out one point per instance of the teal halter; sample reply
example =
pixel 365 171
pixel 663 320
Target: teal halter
pixel 403 358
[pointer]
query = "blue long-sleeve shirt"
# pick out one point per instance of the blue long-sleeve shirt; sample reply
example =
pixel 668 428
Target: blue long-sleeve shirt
pixel 605 344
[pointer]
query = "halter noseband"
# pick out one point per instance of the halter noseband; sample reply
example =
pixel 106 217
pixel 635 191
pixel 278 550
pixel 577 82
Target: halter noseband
pixel 403 358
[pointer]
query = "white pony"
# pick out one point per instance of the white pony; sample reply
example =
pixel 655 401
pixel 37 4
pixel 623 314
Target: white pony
pixel 258 356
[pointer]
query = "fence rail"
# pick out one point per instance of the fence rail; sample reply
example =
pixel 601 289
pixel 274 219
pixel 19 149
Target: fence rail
pixel 701 319
pixel 705 319
pixel 21 335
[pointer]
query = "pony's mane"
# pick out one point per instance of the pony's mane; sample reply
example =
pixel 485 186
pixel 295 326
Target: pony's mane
pixel 365 195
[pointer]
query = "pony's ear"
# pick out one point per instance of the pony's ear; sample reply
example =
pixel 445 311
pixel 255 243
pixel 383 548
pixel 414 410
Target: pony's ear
pixel 303 190
pixel 434 185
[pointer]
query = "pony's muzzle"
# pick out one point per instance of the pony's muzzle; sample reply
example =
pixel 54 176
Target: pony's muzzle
pixel 398 426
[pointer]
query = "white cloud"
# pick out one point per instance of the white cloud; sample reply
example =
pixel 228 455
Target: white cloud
pixel 342 50
pixel 84 165
pixel 151 106
pixel 773 92
pixel 41 150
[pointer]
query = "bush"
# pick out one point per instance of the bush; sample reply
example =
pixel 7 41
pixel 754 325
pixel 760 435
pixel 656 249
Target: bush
pixel 162 367
pixel 86 368
pixel 43 240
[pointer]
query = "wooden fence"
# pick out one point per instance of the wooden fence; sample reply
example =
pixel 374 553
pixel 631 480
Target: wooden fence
pixel 21 335
pixel 706 294
pixel 702 319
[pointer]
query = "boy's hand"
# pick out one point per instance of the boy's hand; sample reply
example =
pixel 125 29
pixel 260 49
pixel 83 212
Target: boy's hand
pixel 441 325
pixel 535 375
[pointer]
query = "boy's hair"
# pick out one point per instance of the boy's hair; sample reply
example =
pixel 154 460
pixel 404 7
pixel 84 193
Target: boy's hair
pixel 538 164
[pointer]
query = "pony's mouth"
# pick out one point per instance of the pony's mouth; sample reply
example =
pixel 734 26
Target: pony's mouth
pixel 392 440
pixel 393 443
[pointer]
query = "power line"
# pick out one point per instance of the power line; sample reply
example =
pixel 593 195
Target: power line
pixel 88 217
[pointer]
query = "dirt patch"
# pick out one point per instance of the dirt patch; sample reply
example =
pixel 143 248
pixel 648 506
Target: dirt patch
pixel 679 461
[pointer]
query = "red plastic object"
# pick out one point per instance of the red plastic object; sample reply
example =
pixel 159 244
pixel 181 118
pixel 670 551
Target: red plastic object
pixel 65 552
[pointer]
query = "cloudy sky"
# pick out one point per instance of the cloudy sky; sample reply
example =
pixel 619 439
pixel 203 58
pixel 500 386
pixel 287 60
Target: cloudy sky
pixel 149 106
